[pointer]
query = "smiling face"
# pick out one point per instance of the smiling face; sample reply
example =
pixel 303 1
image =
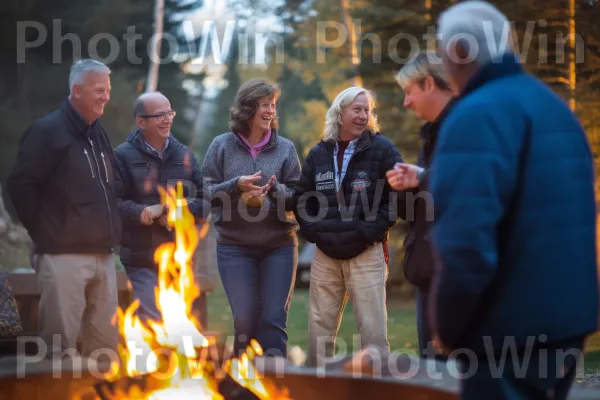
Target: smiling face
pixel 157 121
pixel 355 117
pixel 265 112
pixel 91 95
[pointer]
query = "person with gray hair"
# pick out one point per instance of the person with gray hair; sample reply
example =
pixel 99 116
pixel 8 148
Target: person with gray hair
pixel 426 93
pixel 515 220
pixel 62 187
pixel 343 204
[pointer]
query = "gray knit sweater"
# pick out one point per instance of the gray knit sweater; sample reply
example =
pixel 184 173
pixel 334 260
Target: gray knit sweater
pixel 273 225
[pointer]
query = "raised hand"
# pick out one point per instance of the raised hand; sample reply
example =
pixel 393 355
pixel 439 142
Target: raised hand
pixel 272 181
pixel 404 176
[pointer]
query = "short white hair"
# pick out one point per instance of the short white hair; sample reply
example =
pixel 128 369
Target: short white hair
pixel 333 118
pixel 81 68
pixel 482 25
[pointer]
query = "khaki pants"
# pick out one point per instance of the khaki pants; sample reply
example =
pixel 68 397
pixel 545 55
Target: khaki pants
pixel 78 296
pixel 332 282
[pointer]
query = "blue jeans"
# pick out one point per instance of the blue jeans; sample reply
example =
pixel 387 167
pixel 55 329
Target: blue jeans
pixel 143 281
pixel 259 286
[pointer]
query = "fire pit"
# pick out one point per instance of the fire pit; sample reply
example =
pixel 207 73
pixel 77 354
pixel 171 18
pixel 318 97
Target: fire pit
pixel 81 380
pixel 177 360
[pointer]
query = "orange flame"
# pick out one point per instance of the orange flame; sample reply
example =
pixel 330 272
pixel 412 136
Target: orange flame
pixel 170 346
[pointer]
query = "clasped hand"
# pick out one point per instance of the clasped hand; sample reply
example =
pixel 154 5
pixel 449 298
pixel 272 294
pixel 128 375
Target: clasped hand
pixel 252 194
pixel 153 213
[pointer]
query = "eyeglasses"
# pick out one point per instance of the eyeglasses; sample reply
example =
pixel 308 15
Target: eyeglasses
pixel 160 116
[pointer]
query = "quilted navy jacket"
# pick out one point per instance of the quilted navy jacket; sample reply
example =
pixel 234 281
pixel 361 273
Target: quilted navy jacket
pixel 139 174
pixel 343 225
pixel 515 216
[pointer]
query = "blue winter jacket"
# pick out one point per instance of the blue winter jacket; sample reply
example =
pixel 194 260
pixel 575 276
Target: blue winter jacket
pixel 515 217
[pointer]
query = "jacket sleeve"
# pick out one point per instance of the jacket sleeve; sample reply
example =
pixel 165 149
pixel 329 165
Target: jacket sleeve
pixel 383 211
pixel 303 206
pixel 472 178
pixel 128 209
pixel 212 174
pixel 36 161
pixel 284 190
pixel 199 205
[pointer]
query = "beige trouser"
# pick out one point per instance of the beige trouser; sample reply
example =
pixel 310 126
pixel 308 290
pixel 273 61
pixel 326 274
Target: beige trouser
pixel 332 282
pixel 78 296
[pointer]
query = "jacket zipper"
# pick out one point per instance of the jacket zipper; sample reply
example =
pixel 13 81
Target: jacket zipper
pixel 105 169
pixel 89 162
pixel 104 191
pixel 341 188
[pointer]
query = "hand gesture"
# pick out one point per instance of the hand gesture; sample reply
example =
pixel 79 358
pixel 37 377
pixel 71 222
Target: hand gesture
pixel 272 181
pixel 150 213
pixel 254 198
pixel 246 183
pixel 404 176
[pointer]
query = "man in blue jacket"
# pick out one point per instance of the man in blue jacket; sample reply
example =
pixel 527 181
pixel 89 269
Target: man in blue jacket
pixel 515 291
pixel 152 158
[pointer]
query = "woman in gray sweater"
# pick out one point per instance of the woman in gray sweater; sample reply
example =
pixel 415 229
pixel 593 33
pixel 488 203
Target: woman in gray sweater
pixel 250 173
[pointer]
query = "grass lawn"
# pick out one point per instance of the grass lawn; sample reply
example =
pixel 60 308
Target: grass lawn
pixel 402 330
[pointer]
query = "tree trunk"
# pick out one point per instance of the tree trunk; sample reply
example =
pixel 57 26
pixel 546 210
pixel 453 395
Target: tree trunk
pixel 572 53
pixel 353 50
pixel 159 14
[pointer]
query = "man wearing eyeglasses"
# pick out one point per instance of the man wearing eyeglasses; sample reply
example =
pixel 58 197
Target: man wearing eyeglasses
pixel 152 158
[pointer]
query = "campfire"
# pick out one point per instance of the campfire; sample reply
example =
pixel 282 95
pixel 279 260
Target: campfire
pixel 171 358
pixel 175 358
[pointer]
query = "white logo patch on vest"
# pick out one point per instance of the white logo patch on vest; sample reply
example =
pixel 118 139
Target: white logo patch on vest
pixel 361 182
pixel 324 181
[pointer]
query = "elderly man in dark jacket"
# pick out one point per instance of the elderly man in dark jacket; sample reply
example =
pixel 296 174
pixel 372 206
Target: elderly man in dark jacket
pixel 152 158
pixel 62 187
pixel 514 229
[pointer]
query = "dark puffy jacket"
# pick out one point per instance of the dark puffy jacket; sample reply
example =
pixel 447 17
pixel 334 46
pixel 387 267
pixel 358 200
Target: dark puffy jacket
pixel 139 174
pixel 418 254
pixel 62 185
pixel 515 217
pixel 367 213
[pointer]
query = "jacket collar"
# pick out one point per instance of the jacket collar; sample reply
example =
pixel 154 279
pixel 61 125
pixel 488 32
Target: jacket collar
pixel 364 141
pixel 82 126
pixel 430 128
pixel 272 141
pixel 504 66
pixel 137 140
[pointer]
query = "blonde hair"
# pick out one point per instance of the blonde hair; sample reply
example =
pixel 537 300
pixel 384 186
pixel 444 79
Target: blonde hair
pixel 333 118
pixel 423 64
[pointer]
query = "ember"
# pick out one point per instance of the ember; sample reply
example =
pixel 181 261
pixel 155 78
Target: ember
pixel 175 362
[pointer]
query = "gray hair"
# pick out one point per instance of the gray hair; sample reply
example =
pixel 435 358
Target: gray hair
pixel 479 23
pixel 333 118
pixel 81 68
pixel 423 64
